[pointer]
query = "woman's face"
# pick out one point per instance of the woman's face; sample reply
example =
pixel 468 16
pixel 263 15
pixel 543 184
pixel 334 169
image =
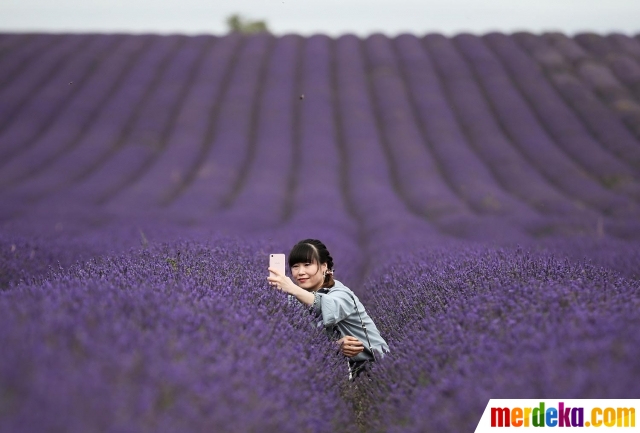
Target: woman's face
pixel 308 276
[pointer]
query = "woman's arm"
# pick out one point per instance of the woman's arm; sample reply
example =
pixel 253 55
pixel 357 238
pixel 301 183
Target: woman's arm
pixel 301 294
pixel 285 284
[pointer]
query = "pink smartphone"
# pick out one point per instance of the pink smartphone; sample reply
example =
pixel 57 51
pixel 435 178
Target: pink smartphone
pixel 277 261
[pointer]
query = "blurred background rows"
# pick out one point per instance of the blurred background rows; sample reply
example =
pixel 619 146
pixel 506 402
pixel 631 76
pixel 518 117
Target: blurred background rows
pixel 533 134
pixel 480 194
pixel 109 141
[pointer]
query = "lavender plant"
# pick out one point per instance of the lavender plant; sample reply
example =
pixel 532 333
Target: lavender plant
pixel 175 337
pixel 475 324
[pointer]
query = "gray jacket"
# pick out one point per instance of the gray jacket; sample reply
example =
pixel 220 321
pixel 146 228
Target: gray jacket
pixel 338 312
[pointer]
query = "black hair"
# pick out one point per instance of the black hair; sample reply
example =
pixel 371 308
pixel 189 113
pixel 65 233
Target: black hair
pixel 313 251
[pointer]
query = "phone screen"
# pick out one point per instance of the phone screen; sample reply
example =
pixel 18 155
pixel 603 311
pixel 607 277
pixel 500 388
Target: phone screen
pixel 277 261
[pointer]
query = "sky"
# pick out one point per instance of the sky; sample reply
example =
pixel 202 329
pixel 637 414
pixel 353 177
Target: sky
pixel 330 17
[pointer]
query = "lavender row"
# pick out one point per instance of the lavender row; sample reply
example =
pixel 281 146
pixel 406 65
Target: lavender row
pixel 369 180
pixel 104 132
pixel 531 138
pixel 508 165
pixel 181 336
pixel 10 41
pixel 292 189
pixel 17 92
pixel 602 123
pixel 626 43
pixel 187 322
pixel 144 136
pixel 76 118
pixel 43 107
pixel 22 56
pixel 420 171
pixel 101 161
pixel 470 324
pixel 259 198
pixel 318 205
pixel 320 170
pixel 417 173
pixel 562 123
pixel 211 182
pixel 621 137
pixel 185 143
pixel 627 70
pixel 475 184
pixel 617 85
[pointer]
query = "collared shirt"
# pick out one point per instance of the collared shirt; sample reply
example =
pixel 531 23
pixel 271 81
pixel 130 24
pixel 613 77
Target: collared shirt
pixel 336 307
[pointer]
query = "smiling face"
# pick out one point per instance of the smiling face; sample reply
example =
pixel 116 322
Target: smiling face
pixel 308 275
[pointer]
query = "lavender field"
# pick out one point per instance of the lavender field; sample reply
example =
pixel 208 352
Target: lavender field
pixel 480 194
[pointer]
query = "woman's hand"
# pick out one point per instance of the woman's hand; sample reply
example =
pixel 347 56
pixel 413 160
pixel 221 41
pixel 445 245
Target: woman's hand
pixel 350 346
pixel 280 281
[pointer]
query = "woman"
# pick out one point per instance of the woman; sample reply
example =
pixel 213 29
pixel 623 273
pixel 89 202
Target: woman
pixel 343 315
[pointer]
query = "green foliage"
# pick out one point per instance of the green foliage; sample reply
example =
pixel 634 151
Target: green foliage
pixel 239 24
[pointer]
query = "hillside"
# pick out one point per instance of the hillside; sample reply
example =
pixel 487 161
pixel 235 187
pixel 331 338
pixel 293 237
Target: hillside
pixel 480 195
pixel 538 131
